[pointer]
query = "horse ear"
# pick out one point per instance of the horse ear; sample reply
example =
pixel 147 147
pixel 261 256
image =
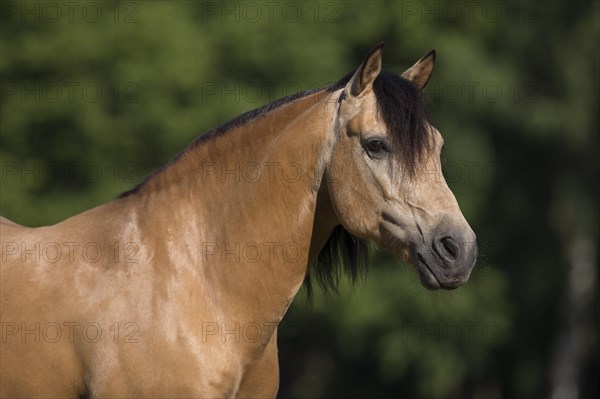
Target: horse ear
pixel 420 73
pixel 365 75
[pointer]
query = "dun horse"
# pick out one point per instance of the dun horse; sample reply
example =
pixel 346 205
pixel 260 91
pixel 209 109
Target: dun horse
pixel 176 288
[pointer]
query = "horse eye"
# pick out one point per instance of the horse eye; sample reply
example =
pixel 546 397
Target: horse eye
pixel 375 146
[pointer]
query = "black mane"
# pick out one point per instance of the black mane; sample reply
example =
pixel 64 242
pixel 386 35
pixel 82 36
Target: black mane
pixel 402 107
pixel 225 127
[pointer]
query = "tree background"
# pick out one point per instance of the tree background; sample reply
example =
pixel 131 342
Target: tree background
pixel 95 95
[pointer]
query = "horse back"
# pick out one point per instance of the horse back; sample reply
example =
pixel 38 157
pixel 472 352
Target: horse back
pixel 7 222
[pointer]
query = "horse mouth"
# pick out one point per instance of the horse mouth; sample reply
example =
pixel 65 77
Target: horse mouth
pixel 428 277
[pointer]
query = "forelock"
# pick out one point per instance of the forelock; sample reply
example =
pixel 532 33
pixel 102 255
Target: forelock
pixel 401 105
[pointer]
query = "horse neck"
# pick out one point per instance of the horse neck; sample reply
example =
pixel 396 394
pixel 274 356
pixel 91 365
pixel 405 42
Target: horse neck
pixel 247 210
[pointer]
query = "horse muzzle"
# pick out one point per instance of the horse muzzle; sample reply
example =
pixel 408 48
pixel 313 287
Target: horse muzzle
pixel 448 261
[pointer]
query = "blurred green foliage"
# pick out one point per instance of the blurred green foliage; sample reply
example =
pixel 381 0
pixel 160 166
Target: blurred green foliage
pixel 97 94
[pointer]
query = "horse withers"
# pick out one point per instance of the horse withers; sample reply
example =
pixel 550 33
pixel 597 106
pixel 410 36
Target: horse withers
pixel 176 288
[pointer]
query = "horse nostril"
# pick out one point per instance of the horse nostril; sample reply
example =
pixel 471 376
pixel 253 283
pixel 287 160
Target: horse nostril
pixel 451 248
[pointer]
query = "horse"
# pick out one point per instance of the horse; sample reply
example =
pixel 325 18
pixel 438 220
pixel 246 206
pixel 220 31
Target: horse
pixel 177 287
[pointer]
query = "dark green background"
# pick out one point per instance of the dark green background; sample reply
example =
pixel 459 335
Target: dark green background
pixel 95 95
